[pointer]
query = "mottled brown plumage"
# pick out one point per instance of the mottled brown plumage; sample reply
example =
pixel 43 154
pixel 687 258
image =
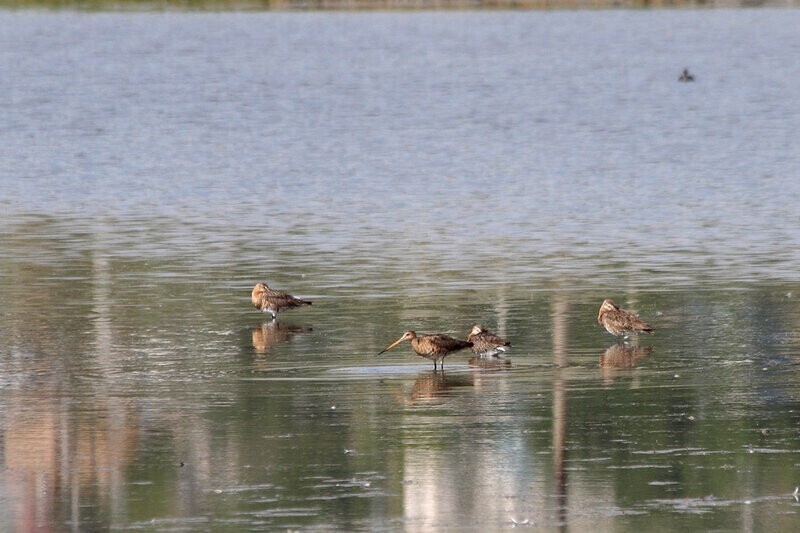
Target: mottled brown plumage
pixel 486 343
pixel 435 346
pixel 269 301
pixel 618 321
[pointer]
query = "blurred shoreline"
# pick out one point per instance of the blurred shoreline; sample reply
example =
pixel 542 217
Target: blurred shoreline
pixel 382 5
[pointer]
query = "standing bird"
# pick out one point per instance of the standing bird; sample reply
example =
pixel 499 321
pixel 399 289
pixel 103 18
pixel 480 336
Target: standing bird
pixel 486 343
pixel 269 301
pixel 619 321
pixel 435 346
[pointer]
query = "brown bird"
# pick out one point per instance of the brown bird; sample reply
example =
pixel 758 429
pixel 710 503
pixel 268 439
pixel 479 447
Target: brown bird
pixel 486 343
pixel 435 346
pixel 618 321
pixel 269 301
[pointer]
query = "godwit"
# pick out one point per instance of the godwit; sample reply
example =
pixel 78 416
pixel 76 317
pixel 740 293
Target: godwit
pixel 269 301
pixel 618 321
pixel 435 346
pixel 486 343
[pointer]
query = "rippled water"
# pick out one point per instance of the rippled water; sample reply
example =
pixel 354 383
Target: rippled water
pixel 420 170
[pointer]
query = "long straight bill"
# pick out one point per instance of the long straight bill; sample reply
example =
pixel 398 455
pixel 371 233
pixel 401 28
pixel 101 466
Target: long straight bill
pixel 395 343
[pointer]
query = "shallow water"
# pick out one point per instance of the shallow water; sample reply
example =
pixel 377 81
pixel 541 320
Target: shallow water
pixel 423 171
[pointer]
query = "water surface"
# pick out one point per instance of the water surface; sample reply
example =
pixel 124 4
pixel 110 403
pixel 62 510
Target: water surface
pixel 404 171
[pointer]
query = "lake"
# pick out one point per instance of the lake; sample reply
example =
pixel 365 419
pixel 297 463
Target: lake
pixel 421 171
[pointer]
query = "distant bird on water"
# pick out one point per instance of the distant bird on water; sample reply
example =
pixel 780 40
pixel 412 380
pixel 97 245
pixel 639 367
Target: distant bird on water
pixel 618 321
pixel 685 76
pixel 435 346
pixel 269 301
pixel 486 343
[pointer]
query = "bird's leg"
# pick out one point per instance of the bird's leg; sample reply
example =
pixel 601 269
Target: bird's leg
pixel 627 337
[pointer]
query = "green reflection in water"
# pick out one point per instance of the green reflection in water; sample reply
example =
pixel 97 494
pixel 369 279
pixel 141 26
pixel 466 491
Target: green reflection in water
pixel 145 392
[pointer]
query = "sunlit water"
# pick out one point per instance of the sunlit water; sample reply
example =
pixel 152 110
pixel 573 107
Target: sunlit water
pixel 404 171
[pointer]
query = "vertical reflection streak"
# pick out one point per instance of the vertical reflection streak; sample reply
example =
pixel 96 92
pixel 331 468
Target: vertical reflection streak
pixel 560 308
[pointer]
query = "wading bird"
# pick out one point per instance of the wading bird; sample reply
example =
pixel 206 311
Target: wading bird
pixel 486 343
pixel 685 76
pixel 618 321
pixel 435 346
pixel 269 301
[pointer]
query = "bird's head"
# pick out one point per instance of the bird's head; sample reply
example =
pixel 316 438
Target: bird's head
pixel 408 335
pixel 607 306
pixel 477 329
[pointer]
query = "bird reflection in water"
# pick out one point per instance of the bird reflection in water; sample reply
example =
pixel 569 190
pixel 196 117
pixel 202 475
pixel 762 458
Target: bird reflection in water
pixel 270 334
pixel 489 362
pixel 433 385
pixel 621 357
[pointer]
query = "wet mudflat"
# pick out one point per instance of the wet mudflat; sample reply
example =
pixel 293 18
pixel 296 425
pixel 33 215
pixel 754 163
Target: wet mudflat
pixel 140 389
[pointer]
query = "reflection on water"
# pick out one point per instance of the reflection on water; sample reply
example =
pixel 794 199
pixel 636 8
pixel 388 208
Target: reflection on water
pixel 130 396
pixel 474 173
pixel 623 355
pixel 560 328
pixel 273 333
pixel 48 448
pixel 489 362
pixel 434 384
